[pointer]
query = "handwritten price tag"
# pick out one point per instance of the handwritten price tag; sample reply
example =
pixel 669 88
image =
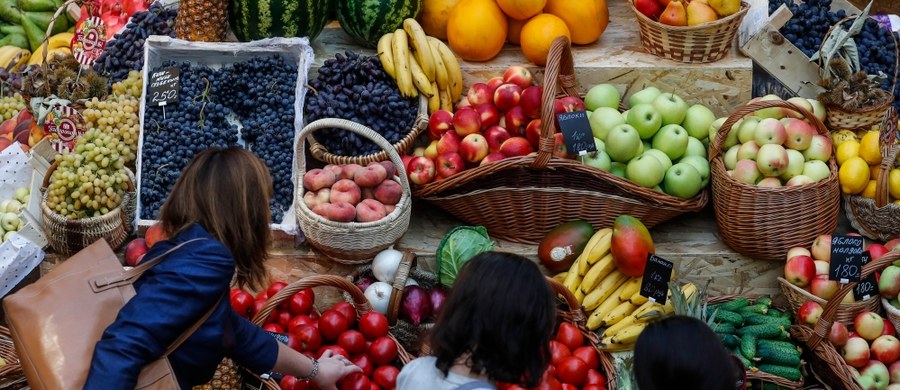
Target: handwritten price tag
pixel 867 287
pixel 64 125
pixel 846 259
pixel 89 40
pixel 163 87
pixel 655 284
pixel 576 131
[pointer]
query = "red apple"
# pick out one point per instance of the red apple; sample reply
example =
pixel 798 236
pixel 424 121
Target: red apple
pixel 466 121
pixel 800 270
pixel 494 83
pixel 886 349
pixel 155 233
pixel 877 250
pixel 489 115
pixel 530 101
pixel 824 288
pixel 869 325
pixel 533 132
pixel 821 248
pixel 473 148
pixel 518 75
pixel 894 370
pixel 809 313
pixel 449 164
pixel 421 170
pixel 491 157
pixel 495 135
pixel 439 122
pixel 449 143
pixel 856 352
pixel 134 251
pixel 406 159
pixel 567 104
pixel 507 96
pixel 479 93
pixel 514 121
pixel 888 328
pixel 839 334
pixel 559 146
pixel 650 8
pixel 516 146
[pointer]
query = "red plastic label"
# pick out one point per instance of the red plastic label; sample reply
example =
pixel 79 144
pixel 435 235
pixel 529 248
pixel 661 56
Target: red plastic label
pixel 64 125
pixel 89 40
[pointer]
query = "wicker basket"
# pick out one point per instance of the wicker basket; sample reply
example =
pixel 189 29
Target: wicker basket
pixel 574 315
pixel 893 313
pixel 877 218
pixel 838 118
pixel 522 198
pixel 764 379
pixel 708 42
pixel 826 362
pixel 11 374
pixel 68 236
pixel 352 242
pixel 320 152
pixel 845 312
pixel 762 222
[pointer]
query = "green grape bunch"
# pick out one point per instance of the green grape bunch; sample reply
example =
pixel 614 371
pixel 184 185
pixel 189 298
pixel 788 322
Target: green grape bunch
pixel 10 106
pixel 131 86
pixel 117 116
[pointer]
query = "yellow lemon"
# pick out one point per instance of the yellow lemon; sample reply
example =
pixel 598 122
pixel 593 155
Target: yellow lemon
pixel 846 150
pixel 894 183
pixel 869 149
pixel 842 136
pixel 854 175
pixel 869 192
pixel 874 170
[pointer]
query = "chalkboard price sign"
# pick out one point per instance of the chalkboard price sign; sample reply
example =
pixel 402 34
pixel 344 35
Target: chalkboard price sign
pixel 163 87
pixel 868 287
pixel 655 284
pixel 576 132
pixel 846 258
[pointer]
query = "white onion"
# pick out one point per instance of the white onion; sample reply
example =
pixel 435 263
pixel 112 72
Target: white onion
pixel 379 296
pixel 385 264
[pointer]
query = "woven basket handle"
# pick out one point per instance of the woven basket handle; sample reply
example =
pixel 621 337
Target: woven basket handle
pixel 715 147
pixel 889 151
pixel 847 19
pixel 823 327
pixel 46 47
pixel 407 262
pixel 574 315
pixel 358 129
pixel 559 74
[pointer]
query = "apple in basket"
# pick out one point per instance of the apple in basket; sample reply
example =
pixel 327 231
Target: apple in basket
pixel 800 270
pixel 809 313
pixel 839 334
pixel 869 325
pixel 856 352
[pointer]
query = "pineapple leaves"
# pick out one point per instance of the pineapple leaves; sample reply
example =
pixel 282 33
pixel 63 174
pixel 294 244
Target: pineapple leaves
pixel 839 43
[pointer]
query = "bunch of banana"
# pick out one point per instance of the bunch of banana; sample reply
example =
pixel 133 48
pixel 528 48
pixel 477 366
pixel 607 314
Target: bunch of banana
pixel 12 57
pixel 57 45
pixel 625 322
pixel 421 64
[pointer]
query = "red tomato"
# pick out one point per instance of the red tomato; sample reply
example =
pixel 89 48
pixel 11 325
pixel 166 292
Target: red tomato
pixel 242 302
pixel 274 288
pixel 571 369
pixel 315 315
pixel 262 295
pixel 309 337
pixel 273 327
pixel 353 341
pixel 334 348
pixel 515 387
pixel 594 387
pixel 347 310
pixel 549 384
pixel 284 319
pixel 362 361
pixel 382 351
pixel 355 381
pixel 289 382
pixel 310 293
pixel 373 386
pixel 300 320
pixel 594 377
pixel 257 307
pixel 558 351
pixel 588 355
pixel 294 342
pixel 386 376
pixel 569 335
pixel 332 324
pixel 234 291
pixel 300 303
pixel 373 325
pixel 566 386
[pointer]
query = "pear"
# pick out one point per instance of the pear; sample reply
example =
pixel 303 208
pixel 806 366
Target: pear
pixel 674 14
pixel 699 13
pixel 725 7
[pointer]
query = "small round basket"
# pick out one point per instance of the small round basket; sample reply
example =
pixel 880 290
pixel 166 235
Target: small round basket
pixel 893 313
pixel 845 312
pixel 877 218
pixel 11 374
pixel 352 242
pixel 320 152
pixel 708 42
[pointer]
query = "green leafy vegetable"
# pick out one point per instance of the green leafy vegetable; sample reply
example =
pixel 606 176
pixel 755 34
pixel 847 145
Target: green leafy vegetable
pixel 457 247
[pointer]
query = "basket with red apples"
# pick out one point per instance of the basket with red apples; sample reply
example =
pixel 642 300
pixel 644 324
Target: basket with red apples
pixel 351 212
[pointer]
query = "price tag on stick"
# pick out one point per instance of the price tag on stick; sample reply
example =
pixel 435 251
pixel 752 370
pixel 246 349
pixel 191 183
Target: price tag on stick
pixel 64 125
pixel 163 87
pixel 846 259
pixel 89 40
pixel 576 131
pixel 655 284
pixel 867 287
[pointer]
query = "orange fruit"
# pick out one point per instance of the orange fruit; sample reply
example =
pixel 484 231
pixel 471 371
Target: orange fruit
pixel 434 16
pixel 538 35
pixel 521 9
pixel 515 30
pixel 586 19
pixel 476 29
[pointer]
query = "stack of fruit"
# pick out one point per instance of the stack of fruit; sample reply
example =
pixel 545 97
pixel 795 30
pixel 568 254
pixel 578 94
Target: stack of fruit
pixel 859 160
pixel 9 213
pixel 58 46
pixel 687 12
pixel 22 129
pixel 777 147
pixel 24 24
pixel 352 193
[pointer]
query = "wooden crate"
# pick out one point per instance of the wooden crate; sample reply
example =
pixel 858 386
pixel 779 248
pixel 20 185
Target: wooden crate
pixel 617 58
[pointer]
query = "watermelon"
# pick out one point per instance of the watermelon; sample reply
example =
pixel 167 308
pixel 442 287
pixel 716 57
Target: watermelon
pixel 367 20
pixel 258 19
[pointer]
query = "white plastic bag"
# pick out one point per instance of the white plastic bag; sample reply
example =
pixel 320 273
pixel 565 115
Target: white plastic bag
pixel 22 252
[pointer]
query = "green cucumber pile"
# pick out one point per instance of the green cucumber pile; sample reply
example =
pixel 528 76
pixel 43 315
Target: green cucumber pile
pixel 757 333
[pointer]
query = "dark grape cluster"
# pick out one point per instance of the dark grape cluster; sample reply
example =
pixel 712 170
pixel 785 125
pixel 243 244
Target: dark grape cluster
pixel 126 51
pixel 356 88
pixel 813 18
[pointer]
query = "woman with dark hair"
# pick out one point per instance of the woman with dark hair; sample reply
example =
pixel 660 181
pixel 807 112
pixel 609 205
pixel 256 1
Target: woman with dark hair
pixel 495 326
pixel 683 352
pixel 218 211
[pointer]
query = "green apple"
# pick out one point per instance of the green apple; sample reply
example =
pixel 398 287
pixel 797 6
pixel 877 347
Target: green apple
pixel 695 147
pixel 697 121
pixel 603 119
pixel 714 128
pixel 818 109
pixel 816 170
pixel 671 107
pixel 747 129
pixel 588 113
pixel 672 140
pixel 599 144
pixel 646 95
pixel 771 112
pixel 730 157
pixel 602 95
pixel 700 164
pixel 618 169
pixel 645 119
pixel 645 170
pixel 795 165
pixel 683 181
pixel 598 159
pixel 623 143
pixel 645 146
pixel 661 156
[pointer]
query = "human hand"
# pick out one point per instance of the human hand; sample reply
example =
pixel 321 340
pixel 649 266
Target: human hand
pixel 331 369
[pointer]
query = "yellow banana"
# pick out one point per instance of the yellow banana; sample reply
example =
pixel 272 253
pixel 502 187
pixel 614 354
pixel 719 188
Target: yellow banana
pixel 561 277
pixel 594 320
pixel 419 80
pixel 421 47
pixel 573 280
pixel 689 289
pixel 603 290
pixel 579 296
pixel 440 67
pixel 446 101
pixel 650 311
pixel 7 54
pixel 597 272
pixel 608 346
pixel 583 264
pixel 630 334
pixel 453 70
pixel 630 287
pixel 638 299
pixel 63 39
pixel 601 249
pixel 434 101
pixel 618 313
pixel 37 58
pixel 626 322
pixel 400 51
pixel 21 59
pixel 386 55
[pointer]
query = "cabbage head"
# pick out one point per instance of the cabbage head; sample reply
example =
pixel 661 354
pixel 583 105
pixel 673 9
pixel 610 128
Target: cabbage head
pixel 457 247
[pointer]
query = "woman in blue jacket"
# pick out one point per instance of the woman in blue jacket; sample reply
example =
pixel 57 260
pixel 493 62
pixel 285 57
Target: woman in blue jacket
pixel 219 204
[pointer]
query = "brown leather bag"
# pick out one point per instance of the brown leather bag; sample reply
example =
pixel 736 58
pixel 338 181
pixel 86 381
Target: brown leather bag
pixel 56 321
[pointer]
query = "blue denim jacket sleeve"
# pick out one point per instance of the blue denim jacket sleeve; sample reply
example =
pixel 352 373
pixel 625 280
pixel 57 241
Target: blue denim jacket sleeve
pixel 171 297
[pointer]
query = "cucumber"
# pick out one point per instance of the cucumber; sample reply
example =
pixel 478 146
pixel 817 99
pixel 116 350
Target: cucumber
pixel 764 331
pixel 729 317
pixel 723 327
pixel 760 319
pixel 789 373
pixel 759 309
pixel 735 304
pixel 729 340
pixel 748 364
pixel 763 301
pixel 785 346
pixel 748 346
pixel 776 356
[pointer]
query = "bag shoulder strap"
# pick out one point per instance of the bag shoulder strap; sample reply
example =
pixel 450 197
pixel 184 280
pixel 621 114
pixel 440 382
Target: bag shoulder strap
pixel 184 336
pixel 145 265
pixel 477 384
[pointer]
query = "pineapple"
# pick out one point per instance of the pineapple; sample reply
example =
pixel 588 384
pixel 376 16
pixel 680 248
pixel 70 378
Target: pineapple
pixel 202 20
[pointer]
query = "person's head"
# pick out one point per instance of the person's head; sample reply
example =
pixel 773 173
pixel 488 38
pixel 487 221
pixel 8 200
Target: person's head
pixel 227 191
pixel 682 350
pixel 497 319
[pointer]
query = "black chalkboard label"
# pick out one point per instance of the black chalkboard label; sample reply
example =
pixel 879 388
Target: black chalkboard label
pixel 655 284
pixel 281 337
pixel 867 287
pixel 846 258
pixel 576 132
pixel 163 87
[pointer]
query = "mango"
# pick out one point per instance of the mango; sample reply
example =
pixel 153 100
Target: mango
pixel 631 244
pixel 562 245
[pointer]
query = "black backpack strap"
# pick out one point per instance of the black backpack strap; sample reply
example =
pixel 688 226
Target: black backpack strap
pixel 476 385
